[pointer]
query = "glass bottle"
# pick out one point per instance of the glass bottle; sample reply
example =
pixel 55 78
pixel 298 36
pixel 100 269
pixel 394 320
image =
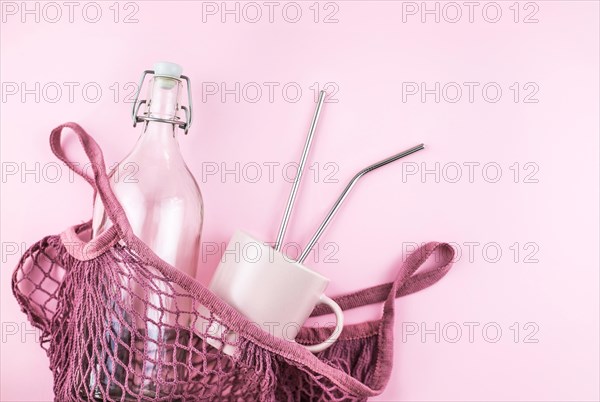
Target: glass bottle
pixel 164 206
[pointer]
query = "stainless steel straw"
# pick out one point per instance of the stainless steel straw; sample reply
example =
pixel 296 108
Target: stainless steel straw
pixel 294 191
pixel 345 193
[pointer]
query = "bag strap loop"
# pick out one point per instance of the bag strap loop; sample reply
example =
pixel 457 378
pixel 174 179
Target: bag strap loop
pixel 99 181
pixel 407 281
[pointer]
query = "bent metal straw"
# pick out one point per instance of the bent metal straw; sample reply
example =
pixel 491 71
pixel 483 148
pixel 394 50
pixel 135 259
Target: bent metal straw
pixel 345 193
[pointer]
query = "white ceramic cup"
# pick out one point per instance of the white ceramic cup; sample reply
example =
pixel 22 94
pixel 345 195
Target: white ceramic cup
pixel 271 290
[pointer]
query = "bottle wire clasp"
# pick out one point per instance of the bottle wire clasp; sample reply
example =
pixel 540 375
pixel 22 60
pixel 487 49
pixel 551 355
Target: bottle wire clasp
pixel 137 103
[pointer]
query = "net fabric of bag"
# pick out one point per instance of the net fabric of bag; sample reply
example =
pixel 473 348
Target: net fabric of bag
pixel 119 323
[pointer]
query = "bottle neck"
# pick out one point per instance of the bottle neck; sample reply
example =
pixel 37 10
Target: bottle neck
pixel 159 137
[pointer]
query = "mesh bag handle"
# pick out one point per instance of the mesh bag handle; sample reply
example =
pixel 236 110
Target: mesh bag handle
pixel 121 229
pixel 405 284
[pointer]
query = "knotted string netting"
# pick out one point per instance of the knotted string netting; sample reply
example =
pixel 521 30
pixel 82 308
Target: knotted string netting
pixel 118 323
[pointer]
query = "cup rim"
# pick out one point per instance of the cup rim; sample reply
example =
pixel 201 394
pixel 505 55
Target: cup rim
pixel 286 258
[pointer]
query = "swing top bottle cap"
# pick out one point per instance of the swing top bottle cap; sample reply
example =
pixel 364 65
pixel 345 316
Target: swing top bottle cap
pixel 168 69
pixel 165 72
pixel 163 102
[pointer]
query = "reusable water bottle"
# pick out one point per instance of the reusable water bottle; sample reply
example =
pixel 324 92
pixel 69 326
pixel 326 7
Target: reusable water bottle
pixel 163 204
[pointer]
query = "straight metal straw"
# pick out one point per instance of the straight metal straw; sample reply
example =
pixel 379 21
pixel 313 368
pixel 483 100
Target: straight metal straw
pixel 294 191
pixel 345 193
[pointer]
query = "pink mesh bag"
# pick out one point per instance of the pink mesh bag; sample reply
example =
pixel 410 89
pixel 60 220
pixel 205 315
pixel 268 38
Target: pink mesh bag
pixel 96 327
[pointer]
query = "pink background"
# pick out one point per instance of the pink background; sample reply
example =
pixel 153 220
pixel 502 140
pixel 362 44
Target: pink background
pixel 547 283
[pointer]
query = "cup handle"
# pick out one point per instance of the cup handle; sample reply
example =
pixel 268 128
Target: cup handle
pixel 339 325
